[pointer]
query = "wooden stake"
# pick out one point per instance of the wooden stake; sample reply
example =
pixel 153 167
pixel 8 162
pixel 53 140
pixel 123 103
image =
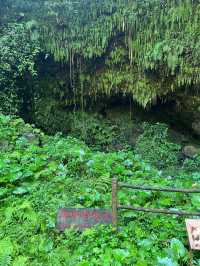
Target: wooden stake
pixel 114 203
pixel 191 257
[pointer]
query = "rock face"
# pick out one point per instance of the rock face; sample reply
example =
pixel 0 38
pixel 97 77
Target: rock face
pixel 196 127
pixel 190 151
pixel 187 110
pixel 129 119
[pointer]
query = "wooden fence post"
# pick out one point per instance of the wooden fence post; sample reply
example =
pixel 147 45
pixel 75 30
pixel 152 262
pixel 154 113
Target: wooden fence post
pixel 114 202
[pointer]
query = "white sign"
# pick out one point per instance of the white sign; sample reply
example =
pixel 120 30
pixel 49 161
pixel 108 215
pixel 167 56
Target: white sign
pixel 193 229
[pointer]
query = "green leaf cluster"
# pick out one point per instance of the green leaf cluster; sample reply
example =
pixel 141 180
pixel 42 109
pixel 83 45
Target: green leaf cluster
pixel 145 49
pixel 17 62
pixel 39 174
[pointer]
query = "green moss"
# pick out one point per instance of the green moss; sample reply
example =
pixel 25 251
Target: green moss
pixel 144 48
pixel 155 57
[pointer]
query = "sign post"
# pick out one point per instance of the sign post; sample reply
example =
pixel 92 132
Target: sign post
pixel 82 218
pixel 114 203
pixel 86 218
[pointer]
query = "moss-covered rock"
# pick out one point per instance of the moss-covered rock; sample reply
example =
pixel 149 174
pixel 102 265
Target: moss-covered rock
pixel 51 117
pixel 191 151
pixel 187 108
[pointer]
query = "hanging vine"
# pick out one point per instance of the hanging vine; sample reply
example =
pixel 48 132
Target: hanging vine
pixel 158 51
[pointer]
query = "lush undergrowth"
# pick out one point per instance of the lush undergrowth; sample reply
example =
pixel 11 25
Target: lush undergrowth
pixel 39 174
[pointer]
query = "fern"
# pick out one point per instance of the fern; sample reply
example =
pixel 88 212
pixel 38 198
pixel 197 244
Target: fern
pixel 6 249
pixel 5 259
pixel 20 261
pixel 103 184
pixel 6 246
pixel 159 40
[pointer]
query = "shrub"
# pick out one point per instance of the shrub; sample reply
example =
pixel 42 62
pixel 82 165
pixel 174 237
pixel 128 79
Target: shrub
pixel 154 146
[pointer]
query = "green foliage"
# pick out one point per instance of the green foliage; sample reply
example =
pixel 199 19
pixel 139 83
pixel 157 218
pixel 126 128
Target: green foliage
pixel 39 174
pixel 192 164
pixel 6 249
pixel 93 130
pixel 15 37
pixel 17 60
pixel 157 39
pixel 154 146
pixel 9 102
pixel 144 47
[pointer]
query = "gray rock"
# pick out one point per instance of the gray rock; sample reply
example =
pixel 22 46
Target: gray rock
pixel 190 151
pixel 31 137
pixel 196 127
pixel 4 145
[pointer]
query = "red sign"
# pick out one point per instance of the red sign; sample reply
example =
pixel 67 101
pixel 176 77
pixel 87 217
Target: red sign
pixel 82 218
pixel 193 229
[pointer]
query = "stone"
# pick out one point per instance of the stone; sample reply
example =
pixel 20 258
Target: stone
pixel 190 151
pixel 196 127
pixel 31 137
pixel 4 145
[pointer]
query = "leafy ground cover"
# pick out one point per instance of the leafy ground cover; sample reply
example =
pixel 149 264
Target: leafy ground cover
pixel 39 174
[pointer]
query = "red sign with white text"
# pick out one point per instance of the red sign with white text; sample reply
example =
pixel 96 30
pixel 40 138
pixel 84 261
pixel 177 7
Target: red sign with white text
pixel 82 218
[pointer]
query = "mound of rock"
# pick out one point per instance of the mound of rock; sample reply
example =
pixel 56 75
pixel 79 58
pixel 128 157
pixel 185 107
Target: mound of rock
pixel 191 151
pixel 196 127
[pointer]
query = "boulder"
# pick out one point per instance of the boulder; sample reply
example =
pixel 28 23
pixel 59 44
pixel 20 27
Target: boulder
pixel 31 137
pixel 4 145
pixel 190 151
pixel 196 127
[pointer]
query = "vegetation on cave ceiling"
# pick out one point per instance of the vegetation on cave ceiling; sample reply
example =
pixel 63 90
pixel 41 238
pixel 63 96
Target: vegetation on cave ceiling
pixel 146 49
